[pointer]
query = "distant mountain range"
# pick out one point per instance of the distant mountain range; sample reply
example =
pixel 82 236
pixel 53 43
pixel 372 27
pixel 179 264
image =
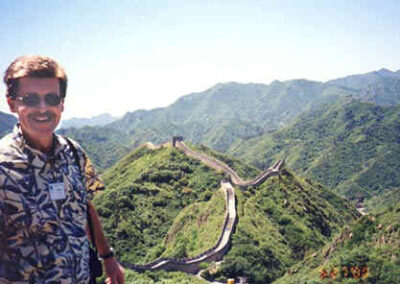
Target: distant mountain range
pixel 98 120
pixel 230 113
pixel 7 121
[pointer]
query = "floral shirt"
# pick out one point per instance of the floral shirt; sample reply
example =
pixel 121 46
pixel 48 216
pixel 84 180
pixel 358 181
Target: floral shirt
pixel 43 209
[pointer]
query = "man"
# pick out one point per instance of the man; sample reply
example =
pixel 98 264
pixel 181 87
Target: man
pixel 44 192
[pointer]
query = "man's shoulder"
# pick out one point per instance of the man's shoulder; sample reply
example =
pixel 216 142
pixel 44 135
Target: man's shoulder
pixel 6 140
pixel 70 143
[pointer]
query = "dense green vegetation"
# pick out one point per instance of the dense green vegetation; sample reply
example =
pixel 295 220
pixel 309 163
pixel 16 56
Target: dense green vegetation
pixel 368 249
pixel 105 146
pixel 380 202
pixel 353 147
pixel 379 87
pixel 146 192
pixel 196 228
pixel 245 171
pixel 162 203
pixel 226 113
pixel 283 220
pixel 161 277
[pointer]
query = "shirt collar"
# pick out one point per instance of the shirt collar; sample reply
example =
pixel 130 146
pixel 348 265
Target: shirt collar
pixel 22 143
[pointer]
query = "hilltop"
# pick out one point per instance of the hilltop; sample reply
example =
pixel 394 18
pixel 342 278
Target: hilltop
pixel 162 203
pixel 146 192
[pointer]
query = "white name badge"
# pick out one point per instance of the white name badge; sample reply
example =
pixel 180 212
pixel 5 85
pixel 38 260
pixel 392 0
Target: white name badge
pixel 57 191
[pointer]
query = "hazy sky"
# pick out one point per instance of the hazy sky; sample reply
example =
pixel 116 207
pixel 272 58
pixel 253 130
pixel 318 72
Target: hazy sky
pixel 126 55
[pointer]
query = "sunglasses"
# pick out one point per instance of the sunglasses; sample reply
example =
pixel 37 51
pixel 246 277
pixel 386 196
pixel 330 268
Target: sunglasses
pixel 34 99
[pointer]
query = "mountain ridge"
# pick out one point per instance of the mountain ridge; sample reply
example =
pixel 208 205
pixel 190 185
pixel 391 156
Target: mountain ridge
pixel 230 112
pixel 79 122
pixel 351 146
pixel 155 179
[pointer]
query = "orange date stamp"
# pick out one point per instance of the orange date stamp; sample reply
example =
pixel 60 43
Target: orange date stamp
pixel 345 272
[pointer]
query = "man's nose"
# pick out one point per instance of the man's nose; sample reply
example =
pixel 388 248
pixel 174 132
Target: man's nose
pixel 42 104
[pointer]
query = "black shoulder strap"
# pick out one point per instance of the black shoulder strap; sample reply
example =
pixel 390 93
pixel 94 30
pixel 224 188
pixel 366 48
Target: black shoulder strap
pixel 89 219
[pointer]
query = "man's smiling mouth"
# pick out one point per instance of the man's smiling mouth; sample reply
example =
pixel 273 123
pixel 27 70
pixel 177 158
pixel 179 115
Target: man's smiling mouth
pixel 41 118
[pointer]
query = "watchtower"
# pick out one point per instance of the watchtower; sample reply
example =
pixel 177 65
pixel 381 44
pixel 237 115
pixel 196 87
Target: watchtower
pixel 176 139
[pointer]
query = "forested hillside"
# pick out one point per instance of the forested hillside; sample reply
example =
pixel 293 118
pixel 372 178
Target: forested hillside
pixel 282 221
pixel 351 146
pixel 227 112
pixel 162 203
pixel 366 251
pixel 379 87
pixel 104 145
pixel 146 191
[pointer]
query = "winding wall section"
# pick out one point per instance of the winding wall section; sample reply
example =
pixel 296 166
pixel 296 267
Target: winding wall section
pixel 191 265
pixel 219 165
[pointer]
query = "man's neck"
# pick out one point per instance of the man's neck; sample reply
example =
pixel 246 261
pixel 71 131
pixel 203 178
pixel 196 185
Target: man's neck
pixel 43 144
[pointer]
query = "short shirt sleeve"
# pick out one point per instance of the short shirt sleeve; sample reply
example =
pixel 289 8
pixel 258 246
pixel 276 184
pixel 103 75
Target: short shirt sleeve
pixel 93 181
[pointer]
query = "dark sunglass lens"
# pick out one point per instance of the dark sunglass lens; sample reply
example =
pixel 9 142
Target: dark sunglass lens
pixel 52 99
pixel 30 100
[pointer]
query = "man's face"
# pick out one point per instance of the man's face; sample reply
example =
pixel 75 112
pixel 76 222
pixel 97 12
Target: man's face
pixel 37 122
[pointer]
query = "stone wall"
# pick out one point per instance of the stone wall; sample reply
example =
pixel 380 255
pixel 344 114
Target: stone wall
pixel 191 265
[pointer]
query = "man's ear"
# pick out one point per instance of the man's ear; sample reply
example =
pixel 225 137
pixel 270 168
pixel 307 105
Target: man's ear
pixel 11 104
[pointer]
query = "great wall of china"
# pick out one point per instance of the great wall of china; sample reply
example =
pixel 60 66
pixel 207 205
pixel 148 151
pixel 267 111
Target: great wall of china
pixel 192 265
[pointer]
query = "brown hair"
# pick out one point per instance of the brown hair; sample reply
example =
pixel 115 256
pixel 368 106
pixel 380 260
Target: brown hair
pixel 34 66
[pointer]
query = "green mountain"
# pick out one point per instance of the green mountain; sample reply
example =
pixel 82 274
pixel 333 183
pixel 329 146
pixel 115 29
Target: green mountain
pixel 232 113
pixel 281 221
pixel 227 112
pixel 104 145
pixel 7 122
pixel 217 117
pixel 350 146
pixel 380 87
pixel 361 81
pixel 365 252
pixel 161 203
pixel 146 191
